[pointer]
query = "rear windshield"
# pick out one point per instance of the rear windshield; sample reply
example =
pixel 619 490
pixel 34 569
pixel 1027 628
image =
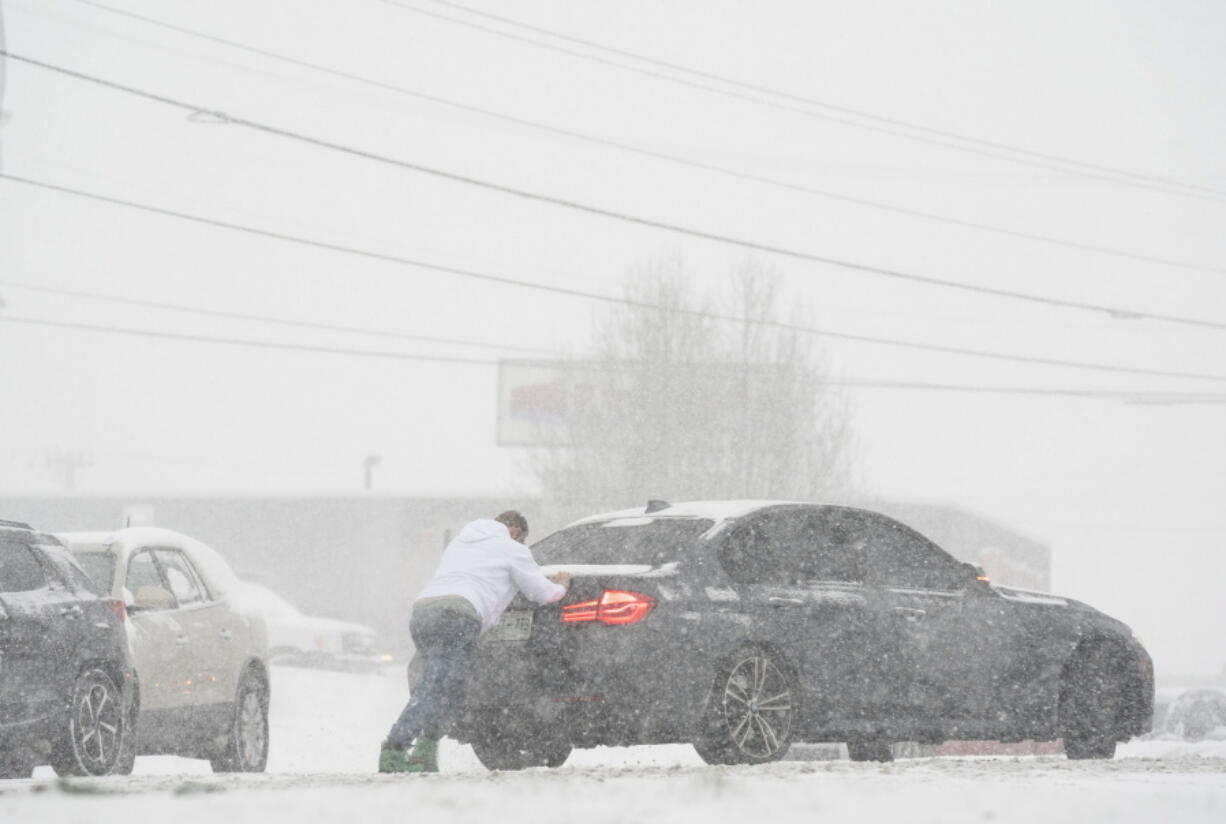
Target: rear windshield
pixel 638 541
pixel 99 566
pixel 20 570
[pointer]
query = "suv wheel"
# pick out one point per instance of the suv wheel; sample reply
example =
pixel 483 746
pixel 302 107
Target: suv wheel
pixel 97 728
pixel 750 713
pixel 246 740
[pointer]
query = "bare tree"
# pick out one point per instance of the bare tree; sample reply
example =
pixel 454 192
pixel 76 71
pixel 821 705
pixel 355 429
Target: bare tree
pixel 681 406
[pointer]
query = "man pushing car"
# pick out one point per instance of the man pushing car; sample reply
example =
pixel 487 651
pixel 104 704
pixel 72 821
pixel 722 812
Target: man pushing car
pixel 477 578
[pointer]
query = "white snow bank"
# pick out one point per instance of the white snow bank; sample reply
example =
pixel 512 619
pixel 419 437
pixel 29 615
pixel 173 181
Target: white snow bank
pixel 326 728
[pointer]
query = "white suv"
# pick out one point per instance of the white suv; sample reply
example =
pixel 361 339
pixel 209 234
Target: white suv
pixel 201 663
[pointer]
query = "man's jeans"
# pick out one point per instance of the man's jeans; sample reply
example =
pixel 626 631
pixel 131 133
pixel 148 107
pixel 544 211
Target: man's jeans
pixel 446 638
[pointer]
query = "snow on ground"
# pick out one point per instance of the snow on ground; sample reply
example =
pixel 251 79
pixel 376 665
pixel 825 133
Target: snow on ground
pixel 326 729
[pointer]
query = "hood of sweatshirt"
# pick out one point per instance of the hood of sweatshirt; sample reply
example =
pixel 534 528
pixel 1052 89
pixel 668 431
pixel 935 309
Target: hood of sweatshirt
pixel 482 530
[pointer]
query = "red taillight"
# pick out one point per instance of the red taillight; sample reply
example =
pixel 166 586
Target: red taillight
pixel 117 606
pixel 614 606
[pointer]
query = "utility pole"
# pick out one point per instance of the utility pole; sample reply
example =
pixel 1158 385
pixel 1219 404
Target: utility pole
pixel 66 464
pixel 368 467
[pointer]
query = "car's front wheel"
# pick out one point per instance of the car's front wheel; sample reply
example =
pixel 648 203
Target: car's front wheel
pixel 97 730
pixel 1090 701
pixel 245 747
pixel 750 712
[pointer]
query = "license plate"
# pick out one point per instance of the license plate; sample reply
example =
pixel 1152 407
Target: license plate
pixel 512 626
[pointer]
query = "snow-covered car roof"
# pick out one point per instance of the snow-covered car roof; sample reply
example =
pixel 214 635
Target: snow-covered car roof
pixel 717 511
pixel 216 571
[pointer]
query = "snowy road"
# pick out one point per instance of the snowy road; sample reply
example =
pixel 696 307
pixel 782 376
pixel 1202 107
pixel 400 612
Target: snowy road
pixel 326 728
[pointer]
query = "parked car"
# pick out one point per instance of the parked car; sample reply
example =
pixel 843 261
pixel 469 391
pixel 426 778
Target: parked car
pixel 201 664
pixel 298 638
pixel 66 677
pixel 1197 714
pixel 741 627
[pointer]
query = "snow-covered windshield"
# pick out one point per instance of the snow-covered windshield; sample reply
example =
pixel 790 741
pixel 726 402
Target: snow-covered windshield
pixel 653 541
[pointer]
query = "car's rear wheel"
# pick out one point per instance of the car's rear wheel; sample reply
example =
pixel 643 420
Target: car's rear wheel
pixel 870 751
pixel 1090 701
pixel 245 747
pixel 97 729
pixel 497 752
pixel 751 711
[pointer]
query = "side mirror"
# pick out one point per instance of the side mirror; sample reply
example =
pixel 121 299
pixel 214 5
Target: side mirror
pixel 150 598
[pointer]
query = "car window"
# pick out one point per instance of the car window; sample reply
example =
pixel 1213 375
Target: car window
pixel 68 570
pixel 184 582
pixel 762 551
pixel 143 572
pixel 653 541
pixel 100 567
pixel 900 557
pixel 828 548
pixel 20 569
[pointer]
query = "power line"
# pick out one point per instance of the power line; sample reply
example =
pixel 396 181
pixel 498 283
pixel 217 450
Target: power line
pixel 821 104
pixel 257 344
pixel 694 164
pixel 301 324
pixel 625 217
pixel 1023 157
pixel 1118 395
pixel 610 299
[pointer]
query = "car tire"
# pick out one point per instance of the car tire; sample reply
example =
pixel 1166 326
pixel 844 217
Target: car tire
pixel 95 730
pixel 496 752
pixel 751 711
pixel 1090 700
pixel 245 747
pixel 870 751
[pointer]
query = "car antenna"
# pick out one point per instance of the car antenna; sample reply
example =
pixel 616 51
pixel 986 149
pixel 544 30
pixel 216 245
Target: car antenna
pixel 656 505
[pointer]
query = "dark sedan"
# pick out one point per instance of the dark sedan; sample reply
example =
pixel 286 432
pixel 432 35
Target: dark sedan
pixel 742 627
pixel 65 667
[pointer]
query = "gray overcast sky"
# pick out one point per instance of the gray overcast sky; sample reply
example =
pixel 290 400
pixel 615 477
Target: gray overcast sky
pixel 1130 496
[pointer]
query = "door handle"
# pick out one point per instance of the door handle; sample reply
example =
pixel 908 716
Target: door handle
pixel 911 613
pixel 182 640
pixel 226 635
pixel 776 601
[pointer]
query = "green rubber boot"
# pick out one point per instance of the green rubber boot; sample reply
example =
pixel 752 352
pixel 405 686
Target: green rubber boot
pixel 393 759
pixel 423 758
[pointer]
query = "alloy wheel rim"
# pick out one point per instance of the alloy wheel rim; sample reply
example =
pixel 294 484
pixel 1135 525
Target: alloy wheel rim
pixel 97 726
pixel 251 732
pixel 758 707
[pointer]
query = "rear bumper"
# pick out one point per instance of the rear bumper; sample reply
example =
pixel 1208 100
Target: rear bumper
pixel 591 684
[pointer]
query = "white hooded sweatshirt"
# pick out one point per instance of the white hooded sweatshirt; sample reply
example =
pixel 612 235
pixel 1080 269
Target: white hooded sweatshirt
pixel 486 567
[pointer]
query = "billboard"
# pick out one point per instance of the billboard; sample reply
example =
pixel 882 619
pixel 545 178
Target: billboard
pixel 535 398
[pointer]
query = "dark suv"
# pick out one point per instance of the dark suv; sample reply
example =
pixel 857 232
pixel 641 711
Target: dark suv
pixel 741 627
pixel 65 667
